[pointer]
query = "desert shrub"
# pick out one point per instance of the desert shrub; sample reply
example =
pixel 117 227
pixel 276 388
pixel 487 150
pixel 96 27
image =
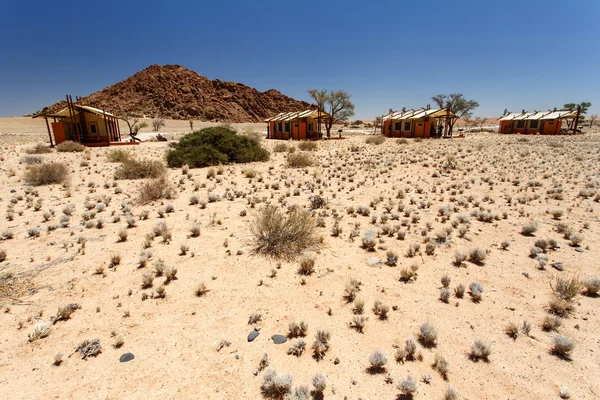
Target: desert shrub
pixel 566 288
pixel 280 148
pixel 427 335
pixel 213 146
pixel 282 235
pixel 358 322
pixel 551 323
pixel 445 294
pixel 40 330
pixel 297 348
pixel 352 287
pixel 321 343
pixel 89 348
pixel 32 160
pixel 459 291
pixel 307 265
pixel 459 258
pixel 375 139
pixel 297 329
pixel 441 365
pixel 319 383
pixel 592 286
pixel 562 346
pixel 307 146
pixel 451 394
pixel 155 189
pixel 480 350
pixel 299 160
pixel 39 148
pixel 377 359
pixel 529 228
pixel 134 169
pixel 2 255
pixel 476 291
pixel 118 155
pixel 369 241
pixel 69 146
pixel 46 174
pixel 391 258
pixel 408 386
pixel 477 256
pixel 380 309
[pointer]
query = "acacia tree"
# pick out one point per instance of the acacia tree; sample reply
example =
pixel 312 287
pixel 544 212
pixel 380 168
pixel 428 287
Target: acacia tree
pixel 456 104
pixel 134 124
pixel 583 109
pixel 376 123
pixel 336 103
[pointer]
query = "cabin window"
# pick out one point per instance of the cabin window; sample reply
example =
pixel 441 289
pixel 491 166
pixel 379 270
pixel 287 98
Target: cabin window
pixel 397 126
pixel 279 127
pixel 407 126
pixel 550 123
pixel 287 127
pixel 520 124
pixel 534 124
pixel 93 129
pixel 309 127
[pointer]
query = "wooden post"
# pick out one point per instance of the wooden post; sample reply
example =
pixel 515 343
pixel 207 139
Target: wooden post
pixel 576 120
pixel 49 134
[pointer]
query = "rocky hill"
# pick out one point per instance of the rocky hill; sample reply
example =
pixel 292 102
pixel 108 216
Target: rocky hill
pixel 175 92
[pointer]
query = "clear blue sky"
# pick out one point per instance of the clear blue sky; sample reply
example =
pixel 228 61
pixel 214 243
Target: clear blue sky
pixel 532 54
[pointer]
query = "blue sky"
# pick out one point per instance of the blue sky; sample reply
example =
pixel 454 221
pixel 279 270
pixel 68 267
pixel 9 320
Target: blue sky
pixel 531 54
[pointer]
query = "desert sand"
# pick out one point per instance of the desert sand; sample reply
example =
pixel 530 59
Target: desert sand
pixel 428 190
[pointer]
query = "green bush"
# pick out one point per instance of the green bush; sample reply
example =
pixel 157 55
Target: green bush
pixel 134 169
pixel 70 146
pixel 215 145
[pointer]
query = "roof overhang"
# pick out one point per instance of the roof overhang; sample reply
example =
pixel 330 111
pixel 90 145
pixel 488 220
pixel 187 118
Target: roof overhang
pixel 289 116
pixel 421 113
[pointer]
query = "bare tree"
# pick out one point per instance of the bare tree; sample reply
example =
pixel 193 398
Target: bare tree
pixel 191 125
pixel 336 103
pixel 456 104
pixel 158 123
pixel 340 108
pixel 376 124
pixel 593 119
pixel 134 124
pixel 480 122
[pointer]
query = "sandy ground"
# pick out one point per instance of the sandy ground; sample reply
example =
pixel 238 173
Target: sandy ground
pixel 174 338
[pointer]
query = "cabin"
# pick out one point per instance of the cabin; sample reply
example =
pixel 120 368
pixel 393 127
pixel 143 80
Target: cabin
pixel 83 124
pixel 297 125
pixel 422 123
pixel 536 122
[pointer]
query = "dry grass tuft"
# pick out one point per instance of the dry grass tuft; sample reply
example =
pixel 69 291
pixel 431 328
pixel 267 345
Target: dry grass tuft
pixel 282 236
pixel 46 174
pixel 70 146
pixel 13 287
pixel 134 169
pixel 156 189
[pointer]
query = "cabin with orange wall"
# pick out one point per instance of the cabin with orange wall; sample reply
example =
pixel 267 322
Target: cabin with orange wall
pixel 422 123
pixel 300 125
pixel 534 123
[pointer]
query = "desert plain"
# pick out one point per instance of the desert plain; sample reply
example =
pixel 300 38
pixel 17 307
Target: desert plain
pixel 393 221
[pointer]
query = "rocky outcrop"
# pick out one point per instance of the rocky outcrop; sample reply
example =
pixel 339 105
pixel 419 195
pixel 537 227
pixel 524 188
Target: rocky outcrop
pixel 175 92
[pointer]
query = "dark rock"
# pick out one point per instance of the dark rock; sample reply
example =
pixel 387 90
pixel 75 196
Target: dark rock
pixel 126 357
pixel 253 335
pixel 579 249
pixel 279 339
pixel 559 266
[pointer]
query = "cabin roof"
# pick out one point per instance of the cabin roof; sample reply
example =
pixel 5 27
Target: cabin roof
pixel 65 112
pixel 420 113
pixel 288 116
pixel 538 115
